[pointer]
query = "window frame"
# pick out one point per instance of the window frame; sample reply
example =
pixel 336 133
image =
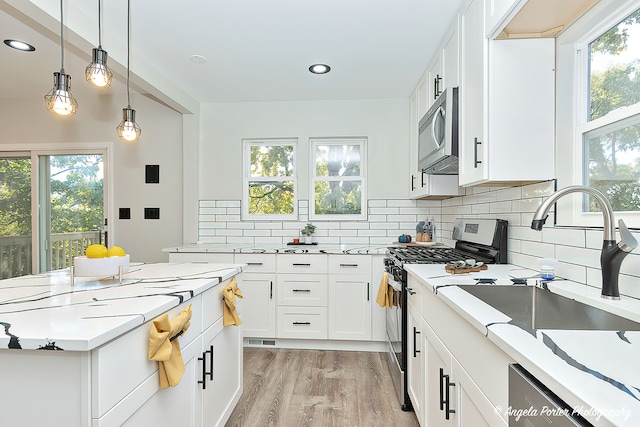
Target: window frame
pixel 362 143
pixel 247 143
pixel 576 76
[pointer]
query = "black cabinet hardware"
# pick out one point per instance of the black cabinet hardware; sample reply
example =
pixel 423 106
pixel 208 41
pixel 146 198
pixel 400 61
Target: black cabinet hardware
pixel 348 265
pixel 368 291
pixel 441 389
pixel 210 351
pixel 271 289
pixel 415 342
pixel 203 359
pixel 411 291
pixel 301 290
pixel 436 86
pixel 413 181
pixel 476 162
pixel 301 265
pixel 255 263
pixel 422 183
pixel 301 323
pixel 445 396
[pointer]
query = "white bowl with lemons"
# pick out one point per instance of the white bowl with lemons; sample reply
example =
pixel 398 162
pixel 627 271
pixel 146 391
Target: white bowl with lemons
pixel 100 261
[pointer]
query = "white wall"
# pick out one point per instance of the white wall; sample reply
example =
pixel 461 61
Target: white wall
pixel 384 122
pixel 27 122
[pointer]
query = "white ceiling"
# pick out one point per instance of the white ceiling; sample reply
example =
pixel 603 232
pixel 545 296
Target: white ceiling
pixel 256 50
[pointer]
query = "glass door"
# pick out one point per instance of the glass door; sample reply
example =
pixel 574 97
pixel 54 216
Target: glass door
pixel 15 215
pixel 72 208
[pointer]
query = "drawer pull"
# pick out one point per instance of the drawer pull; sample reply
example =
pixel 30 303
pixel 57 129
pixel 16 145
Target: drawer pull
pixel 255 263
pixel 301 323
pixel 348 265
pixel 298 264
pixel 271 289
pixel 301 290
pixel 411 291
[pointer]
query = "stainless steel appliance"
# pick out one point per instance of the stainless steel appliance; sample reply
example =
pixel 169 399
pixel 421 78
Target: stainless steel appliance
pixel 438 136
pixel 531 404
pixel 481 239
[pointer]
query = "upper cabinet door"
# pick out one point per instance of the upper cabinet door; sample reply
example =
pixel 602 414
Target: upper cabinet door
pixel 450 55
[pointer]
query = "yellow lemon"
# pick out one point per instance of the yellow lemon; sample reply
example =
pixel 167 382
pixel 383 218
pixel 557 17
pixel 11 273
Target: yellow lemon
pixel 96 251
pixel 115 251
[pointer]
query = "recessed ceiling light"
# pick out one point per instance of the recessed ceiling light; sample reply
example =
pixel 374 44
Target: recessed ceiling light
pixel 17 44
pixel 319 68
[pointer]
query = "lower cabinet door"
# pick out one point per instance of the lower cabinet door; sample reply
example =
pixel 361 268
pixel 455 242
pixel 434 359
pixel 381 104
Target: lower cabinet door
pixel 349 307
pixel 416 363
pixel 222 354
pixel 172 406
pixel 441 404
pixel 259 305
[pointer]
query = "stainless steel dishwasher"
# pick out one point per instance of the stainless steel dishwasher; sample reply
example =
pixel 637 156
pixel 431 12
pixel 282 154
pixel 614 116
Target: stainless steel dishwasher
pixel 531 404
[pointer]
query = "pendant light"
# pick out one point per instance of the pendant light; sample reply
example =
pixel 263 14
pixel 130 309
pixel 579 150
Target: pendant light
pixel 60 100
pixel 97 73
pixel 128 129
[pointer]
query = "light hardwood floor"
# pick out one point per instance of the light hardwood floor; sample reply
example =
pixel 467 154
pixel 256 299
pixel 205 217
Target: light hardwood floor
pixel 314 388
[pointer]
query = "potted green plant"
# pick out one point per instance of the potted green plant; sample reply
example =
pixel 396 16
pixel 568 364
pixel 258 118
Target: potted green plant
pixel 307 232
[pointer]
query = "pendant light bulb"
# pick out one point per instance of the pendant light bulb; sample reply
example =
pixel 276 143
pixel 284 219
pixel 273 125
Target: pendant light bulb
pixel 60 100
pixel 97 73
pixel 128 129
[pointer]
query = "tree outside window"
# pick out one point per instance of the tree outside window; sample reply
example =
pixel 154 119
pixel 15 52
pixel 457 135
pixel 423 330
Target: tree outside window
pixel 611 145
pixel 338 180
pixel 270 180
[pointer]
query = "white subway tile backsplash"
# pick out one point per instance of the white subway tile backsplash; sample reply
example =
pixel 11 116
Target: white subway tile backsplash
pixel 537 249
pixel 579 256
pixel 564 236
pixel 211 210
pixel 384 225
pixel 228 203
pixel 354 225
pixel 271 225
pixel 377 218
pixel 401 203
pixel 402 218
pixel 374 203
pixel 501 207
pixel 227 217
pixel 385 211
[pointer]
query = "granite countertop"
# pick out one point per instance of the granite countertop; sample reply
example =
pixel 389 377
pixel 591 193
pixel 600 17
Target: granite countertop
pixel 45 312
pixel 595 372
pixel 280 249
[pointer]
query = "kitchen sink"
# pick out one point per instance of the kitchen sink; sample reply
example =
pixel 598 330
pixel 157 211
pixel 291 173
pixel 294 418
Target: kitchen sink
pixel 535 308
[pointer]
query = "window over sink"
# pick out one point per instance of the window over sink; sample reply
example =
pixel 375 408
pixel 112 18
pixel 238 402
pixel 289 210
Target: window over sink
pixel 602 115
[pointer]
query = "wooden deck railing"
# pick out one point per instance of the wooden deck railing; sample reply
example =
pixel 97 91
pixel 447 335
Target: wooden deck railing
pixel 15 251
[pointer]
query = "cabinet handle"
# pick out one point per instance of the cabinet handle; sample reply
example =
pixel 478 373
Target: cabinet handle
pixel 271 289
pixel 413 180
pixel 368 291
pixel 447 410
pixel 210 351
pixel 411 291
pixel 422 184
pixel 255 263
pixel 415 342
pixel 301 265
pixel 348 265
pixel 204 370
pixel 301 323
pixel 476 162
pixel 436 86
pixel 301 290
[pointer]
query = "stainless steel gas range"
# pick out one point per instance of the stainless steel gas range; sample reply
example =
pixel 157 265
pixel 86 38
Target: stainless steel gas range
pixel 484 240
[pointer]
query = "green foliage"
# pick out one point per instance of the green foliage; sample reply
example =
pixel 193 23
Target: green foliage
pixel 614 156
pixel 273 197
pixel 308 229
pixel 15 197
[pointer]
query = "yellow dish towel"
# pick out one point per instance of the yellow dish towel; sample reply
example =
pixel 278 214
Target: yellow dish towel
pixel 167 351
pixel 229 294
pixel 385 292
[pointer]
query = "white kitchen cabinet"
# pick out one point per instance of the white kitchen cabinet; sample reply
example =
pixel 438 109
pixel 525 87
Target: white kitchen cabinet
pixel 507 98
pixel 456 358
pixel 349 307
pixel 450 56
pixel 435 78
pixel 416 361
pixel 258 290
pixel 498 13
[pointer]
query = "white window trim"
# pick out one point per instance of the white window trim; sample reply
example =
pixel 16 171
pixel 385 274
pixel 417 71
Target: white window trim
pixel 246 170
pixel 362 142
pixel 595 22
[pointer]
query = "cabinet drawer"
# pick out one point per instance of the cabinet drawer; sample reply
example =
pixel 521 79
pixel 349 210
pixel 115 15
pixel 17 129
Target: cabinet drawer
pixel 120 366
pixel 302 322
pixel 298 263
pixel 302 290
pixel 261 263
pixel 415 292
pixel 350 264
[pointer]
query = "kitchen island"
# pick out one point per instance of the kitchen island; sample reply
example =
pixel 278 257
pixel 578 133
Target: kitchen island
pixel 77 355
pixel 594 372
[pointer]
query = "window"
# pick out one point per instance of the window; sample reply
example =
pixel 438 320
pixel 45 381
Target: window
pixel 611 133
pixel 338 179
pixel 598 113
pixel 269 180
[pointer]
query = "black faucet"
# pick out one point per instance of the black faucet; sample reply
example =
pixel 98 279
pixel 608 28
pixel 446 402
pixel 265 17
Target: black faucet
pixel 612 253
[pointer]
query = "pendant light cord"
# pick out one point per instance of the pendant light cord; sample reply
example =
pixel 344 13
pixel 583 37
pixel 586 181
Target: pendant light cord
pixel 61 39
pixel 99 24
pixel 128 49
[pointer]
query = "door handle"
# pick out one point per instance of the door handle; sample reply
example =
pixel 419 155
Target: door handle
pixel 368 291
pixel 301 323
pixel 210 351
pixel 415 342
pixel 271 289
pixel 447 410
pixel 413 180
pixel 441 389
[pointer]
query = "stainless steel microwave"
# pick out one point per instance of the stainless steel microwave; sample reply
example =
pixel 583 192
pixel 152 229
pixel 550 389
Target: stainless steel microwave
pixel 438 136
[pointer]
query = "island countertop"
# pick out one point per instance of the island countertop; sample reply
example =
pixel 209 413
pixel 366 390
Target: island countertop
pixel 45 311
